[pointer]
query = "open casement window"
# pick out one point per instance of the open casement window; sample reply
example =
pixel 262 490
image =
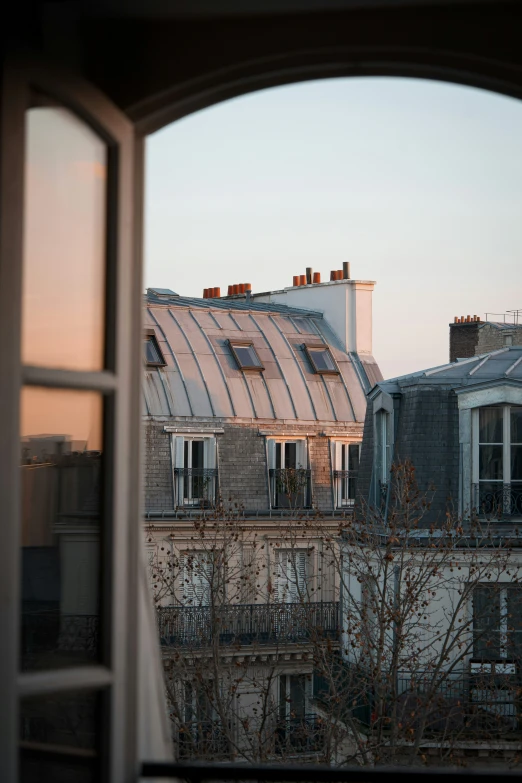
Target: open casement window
pixel 497 460
pixel 497 623
pixel 153 355
pixel 245 355
pixel 292 574
pixel 290 484
pixel 201 734
pixel 195 471
pixel 382 455
pixel 321 359
pixel 346 472
pixel 75 608
pixel 197 570
pixel 298 730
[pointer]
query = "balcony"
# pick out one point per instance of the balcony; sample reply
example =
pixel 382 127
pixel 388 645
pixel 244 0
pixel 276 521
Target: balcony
pixel 345 487
pixel 484 701
pixel 290 488
pixel 196 487
pixel 299 735
pixel 248 624
pixel 501 501
pixel 202 739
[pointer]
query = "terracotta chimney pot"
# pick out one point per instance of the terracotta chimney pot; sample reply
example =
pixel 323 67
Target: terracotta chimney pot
pixel 317 277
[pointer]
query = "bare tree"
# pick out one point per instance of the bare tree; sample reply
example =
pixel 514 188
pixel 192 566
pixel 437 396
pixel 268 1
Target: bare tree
pixel 422 657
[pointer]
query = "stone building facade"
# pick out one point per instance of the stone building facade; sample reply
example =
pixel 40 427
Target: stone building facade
pixel 283 413
pixel 437 419
pixel 254 408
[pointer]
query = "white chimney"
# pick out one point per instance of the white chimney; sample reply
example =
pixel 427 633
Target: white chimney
pixel 346 304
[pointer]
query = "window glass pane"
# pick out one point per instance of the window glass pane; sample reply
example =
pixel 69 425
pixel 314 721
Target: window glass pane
pixel 322 360
pixel 247 356
pixel 514 621
pixel 490 462
pixel 59 738
pixel 516 425
pixel 61 464
pixel 516 463
pixel 152 354
pixel 353 457
pixel 490 425
pixel 486 622
pixel 64 242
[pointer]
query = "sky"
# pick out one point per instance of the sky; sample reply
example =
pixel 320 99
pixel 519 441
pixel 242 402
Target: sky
pixel 417 184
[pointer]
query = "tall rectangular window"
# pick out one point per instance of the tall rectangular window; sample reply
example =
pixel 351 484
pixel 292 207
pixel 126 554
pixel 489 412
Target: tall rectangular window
pixel 346 472
pixel 290 478
pixel 195 471
pixel 497 468
pixel 497 622
pixel 293 571
pixel 382 454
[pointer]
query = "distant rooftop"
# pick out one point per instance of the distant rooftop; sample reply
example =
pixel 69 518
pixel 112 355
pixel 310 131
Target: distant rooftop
pixel 504 364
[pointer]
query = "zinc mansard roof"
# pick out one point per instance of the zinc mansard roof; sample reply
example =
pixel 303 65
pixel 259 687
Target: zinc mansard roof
pixel 503 365
pixel 202 379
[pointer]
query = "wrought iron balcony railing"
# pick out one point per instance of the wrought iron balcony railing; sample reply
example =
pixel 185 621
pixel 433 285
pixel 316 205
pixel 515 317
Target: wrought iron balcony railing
pixel 299 735
pixel 484 700
pixel 247 624
pixel 196 487
pixel 202 739
pixel 47 632
pixel 290 488
pixel 494 499
pixel 345 486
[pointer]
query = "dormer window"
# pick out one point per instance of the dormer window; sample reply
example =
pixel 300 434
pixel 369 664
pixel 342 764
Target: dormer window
pixel 152 351
pixel 245 355
pixel 321 359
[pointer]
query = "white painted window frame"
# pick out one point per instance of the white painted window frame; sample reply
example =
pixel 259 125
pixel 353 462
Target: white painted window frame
pixel 337 445
pixel 210 461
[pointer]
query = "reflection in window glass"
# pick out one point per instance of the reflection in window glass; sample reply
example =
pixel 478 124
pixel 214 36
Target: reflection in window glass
pixel 61 464
pixel 490 427
pixel 153 355
pixel 64 242
pixel 246 356
pixel 321 359
pixel 59 738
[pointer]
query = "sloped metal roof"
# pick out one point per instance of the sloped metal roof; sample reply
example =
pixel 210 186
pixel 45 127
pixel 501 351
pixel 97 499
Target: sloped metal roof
pixel 201 378
pixel 503 364
pixel 227 304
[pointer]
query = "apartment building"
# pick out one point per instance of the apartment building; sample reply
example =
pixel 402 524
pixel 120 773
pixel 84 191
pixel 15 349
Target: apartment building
pixel 253 414
pixel 439 555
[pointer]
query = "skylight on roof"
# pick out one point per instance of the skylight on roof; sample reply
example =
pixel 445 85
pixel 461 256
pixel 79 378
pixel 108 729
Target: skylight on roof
pixel 245 356
pixel 152 351
pixel 321 359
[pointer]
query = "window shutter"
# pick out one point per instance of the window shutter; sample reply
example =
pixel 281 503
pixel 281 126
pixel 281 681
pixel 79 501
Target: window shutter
pixel 271 454
pixel 187 587
pixel 338 465
pixel 248 583
pixel 210 453
pixel 277 576
pixel 301 573
pixel 301 454
pixel 178 460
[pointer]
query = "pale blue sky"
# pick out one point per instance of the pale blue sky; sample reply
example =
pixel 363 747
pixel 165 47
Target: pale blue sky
pixel 418 184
